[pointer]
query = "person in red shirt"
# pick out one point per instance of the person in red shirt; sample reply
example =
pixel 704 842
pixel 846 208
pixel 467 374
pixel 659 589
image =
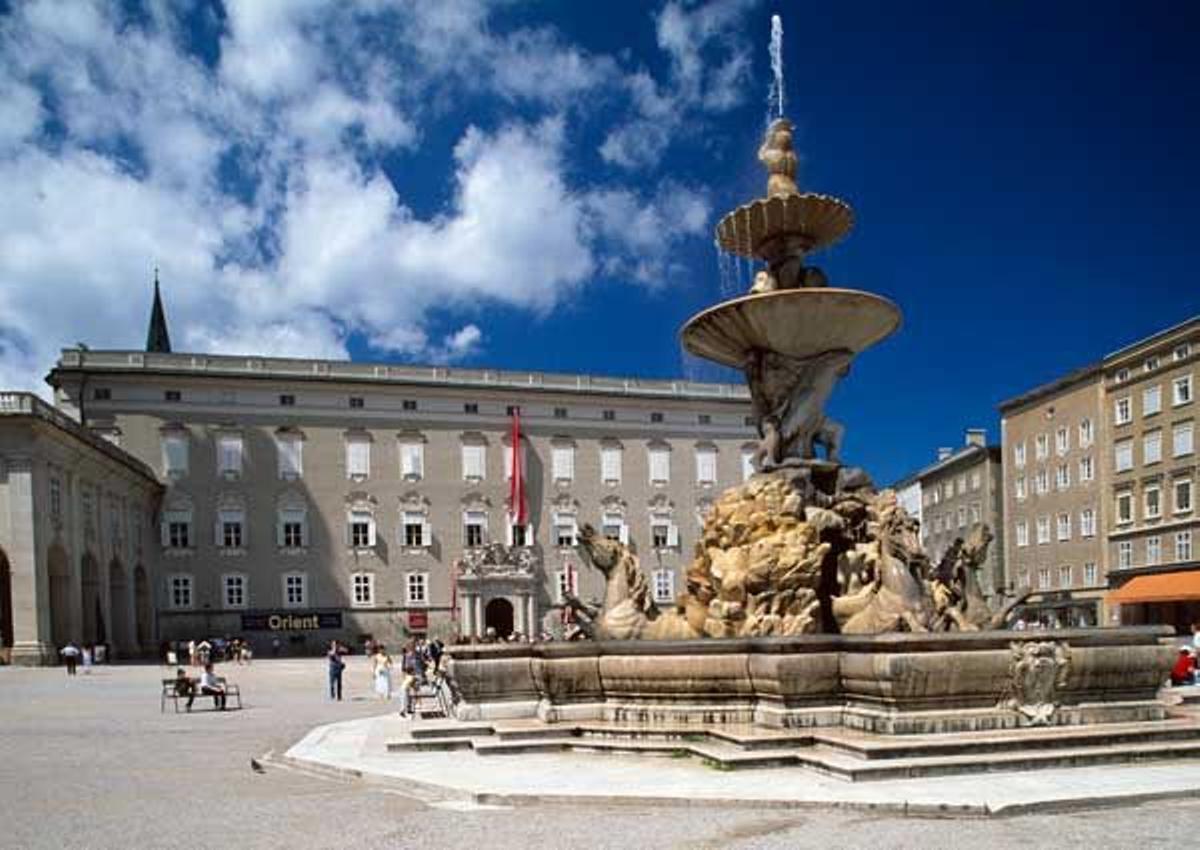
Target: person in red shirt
pixel 1181 673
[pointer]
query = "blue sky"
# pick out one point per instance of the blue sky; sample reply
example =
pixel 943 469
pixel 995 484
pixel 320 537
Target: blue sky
pixel 535 185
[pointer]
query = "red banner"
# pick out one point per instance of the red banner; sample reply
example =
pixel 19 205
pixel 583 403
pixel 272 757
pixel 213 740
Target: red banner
pixel 418 620
pixel 516 492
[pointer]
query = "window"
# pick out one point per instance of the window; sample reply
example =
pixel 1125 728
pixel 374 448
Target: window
pixel 664 586
pixel 230 524
pixel 362 587
pixel 1153 550
pixel 613 527
pixel 1064 576
pixel 175 455
pixel 1151 364
pixel 361 530
pixel 1182 351
pixel 608 415
pixel 292 531
pixel 610 464
pixel 512 410
pixel 1019 455
pixel 704 418
pixel 1062 477
pixel 1089 573
pixel 962 484
pixel 656 417
pixel 356 402
pixel 976 480
pixel 358 457
pixel 1087 472
pixel 663 535
pixel 518 535
pixel 937 525
pixel 1183 545
pixel 1125 554
pixel 1122 376
pixel 948 490
pixel 564 530
pixel 179 588
pixel 1087 523
pixel 1153 503
pixel 1062 441
pixel 102 394
pixel 1085 433
pixel 295 590
pixel 975 513
pixel 177 529
pixel 1044 578
pixel 565 584
pixel 474 529
pixel 1123 455
pixel 1151 400
pixel 235 591
pixel 560 413
pixel 1182 439
pixel 473 457
pixel 287 400
pixel 229 455
pixel 1041 447
pixel 562 460
pixel 412 460
pixel 660 465
pixel 1181 390
pixel 1152 447
pixel 1122 411
pixel 1022 533
pixel 1041 482
pixel 706 465
pixel 289 450
pixel 1043 529
pixel 1183 495
pixel 1023 578
pixel 1125 507
pixel 1020 486
pixel 470 407
pixel 748 467
pixel 962 516
pixel 172 395
pixel 1064 527
pixel 417 587
pixel 415 531
pixel 408 404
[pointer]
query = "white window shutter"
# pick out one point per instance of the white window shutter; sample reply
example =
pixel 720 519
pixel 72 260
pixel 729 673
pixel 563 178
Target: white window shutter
pixel 349 530
pixel 673 536
pixel 624 536
pixel 304 530
pixel 279 521
pixel 508 532
pixel 371 532
pixel 217 530
pixel 165 531
pixel 426 533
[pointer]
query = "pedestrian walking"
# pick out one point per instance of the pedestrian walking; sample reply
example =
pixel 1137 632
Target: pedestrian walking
pixel 70 654
pixel 381 671
pixel 336 666
pixel 86 653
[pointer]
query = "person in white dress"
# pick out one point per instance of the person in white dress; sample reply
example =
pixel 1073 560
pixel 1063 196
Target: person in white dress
pixel 381 671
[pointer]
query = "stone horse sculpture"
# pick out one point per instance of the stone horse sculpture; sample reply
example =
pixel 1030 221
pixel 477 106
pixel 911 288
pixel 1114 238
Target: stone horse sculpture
pixel 628 612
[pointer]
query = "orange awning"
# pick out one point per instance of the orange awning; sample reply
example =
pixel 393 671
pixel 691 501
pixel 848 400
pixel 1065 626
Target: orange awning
pixel 1164 587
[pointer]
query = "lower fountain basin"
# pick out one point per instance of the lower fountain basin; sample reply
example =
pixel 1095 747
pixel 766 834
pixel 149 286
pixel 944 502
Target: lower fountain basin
pixel 797 323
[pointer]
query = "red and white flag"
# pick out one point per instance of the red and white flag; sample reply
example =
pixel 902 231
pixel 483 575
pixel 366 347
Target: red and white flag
pixel 516 492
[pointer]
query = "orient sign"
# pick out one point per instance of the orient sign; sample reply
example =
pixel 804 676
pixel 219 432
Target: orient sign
pixel 418 620
pixel 291 621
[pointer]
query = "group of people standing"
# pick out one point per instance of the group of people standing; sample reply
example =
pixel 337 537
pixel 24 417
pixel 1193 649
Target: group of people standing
pixel 86 655
pixel 419 659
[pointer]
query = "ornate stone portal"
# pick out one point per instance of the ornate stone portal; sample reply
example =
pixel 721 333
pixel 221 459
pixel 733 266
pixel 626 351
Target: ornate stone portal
pixel 497 588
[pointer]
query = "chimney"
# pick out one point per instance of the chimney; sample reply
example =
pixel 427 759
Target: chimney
pixel 976 437
pixel 944 452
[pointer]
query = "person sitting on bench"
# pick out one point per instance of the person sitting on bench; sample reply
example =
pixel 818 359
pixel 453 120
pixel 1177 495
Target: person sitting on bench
pixel 184 687
pixel 211 685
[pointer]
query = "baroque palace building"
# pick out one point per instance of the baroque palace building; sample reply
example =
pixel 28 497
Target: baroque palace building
pixel 307 500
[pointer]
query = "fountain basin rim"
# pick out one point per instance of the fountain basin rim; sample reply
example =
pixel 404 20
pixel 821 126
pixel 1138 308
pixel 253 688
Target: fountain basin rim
pixel 820 220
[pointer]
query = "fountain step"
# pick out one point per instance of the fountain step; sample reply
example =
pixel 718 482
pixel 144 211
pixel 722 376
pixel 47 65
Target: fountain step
pixel 452 729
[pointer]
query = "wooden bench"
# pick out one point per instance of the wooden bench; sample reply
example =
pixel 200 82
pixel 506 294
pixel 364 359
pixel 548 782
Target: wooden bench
pixel 233 695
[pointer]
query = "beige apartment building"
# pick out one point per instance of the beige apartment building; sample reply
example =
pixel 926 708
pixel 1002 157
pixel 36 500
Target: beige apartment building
pixel 77 551
pixel 307 500
pixel 957 493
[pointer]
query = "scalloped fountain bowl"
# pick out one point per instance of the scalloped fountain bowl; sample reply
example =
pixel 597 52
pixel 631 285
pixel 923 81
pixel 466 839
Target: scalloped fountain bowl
pixel 794 322
pixel 817 221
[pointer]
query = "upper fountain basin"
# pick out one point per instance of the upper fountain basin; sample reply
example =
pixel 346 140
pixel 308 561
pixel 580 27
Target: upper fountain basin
pixel 815 221
pixel 794 322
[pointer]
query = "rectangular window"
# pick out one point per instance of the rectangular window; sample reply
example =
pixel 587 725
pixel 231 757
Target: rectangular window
pixel 1044 578
pixel 660 465
pixel 229 529
pixel 1022 533
pixel 1020 486
pixel 417 587
pixel 295 590
pixel 519 534
pixel 562 460
pixel 656 417
pixel 608 415
pixel 362 530
pixel 175 455
pixel 102 394
pixel 948 490
pixel 1043 529
pixel 1122 411
pixel 1124 507
pixel 178 526
pixel 748 467
pixel 962 484
pixel 1183 545
pixel 1125 554
pixel 235 591
pixel 181 591
pixel 289 450
pixel 1151 400
pixel 613 527
pixel 976 480
pixel 409 405
pixel 1182 439
pixel 706 466
pixel 704 418
pixel 1123 455
pixel 172 395
pixel 363 588
pixel 1152 447
pixel 1064 576
pixel 610 464
pixel 1181 390
pixel 1087 523
pixel 1019 455
pixel 412 461
pixel 1062 477
pixel 1085 433
pixel 962 516
pixel 560 413
pixel 415 530
pixel 1153 550
pixel 1090 574
pixel 1042 482
pixel 1087 472
pixel 1151 364
pixel 1153 503
pixel 293 531
pixel 564 531
pixel 356 402
pixel 1062 441
pixel 474 528
pixel 1183 495
pixel 229 454
pixel 473 461
pixel 358 458
pixel 1181 352
pixel 663 534
pixel 1042 447
pixel 1064 527
pixel 470 407
pixel 975 513
pixel 565 584
pixel 664 586
pixel 287 400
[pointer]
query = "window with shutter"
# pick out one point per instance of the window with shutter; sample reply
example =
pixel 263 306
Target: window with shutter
pixel 358 458
pixel 229 455
pixel 289 449
pixel 474 529
pixel 412 460
pixel 175 454
pixel 563 462
pixel 292 528
pixel 706 466
pixel 747 463
pixel 660 465
pixel 508 455
pixel 473 462
pixel 610 464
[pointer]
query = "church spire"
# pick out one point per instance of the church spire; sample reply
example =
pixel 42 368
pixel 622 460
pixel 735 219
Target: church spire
pixel 157 338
